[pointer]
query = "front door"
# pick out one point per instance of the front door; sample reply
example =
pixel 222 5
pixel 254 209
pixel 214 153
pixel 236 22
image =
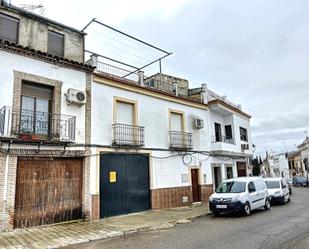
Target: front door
pixel 195 186
pixel 241 169
pixel 124 184
pixel 217 176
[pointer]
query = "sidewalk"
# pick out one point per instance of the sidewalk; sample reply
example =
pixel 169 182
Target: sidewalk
pixel 65 234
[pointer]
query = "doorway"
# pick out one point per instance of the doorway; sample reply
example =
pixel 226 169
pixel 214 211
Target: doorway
pixel 216 176
pixel 195 186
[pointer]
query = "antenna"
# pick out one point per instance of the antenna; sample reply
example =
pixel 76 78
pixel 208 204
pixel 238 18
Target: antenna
pixel 32 7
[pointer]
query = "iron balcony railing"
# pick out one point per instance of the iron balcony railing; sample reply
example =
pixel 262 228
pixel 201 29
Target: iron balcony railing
pixel 29 125
pixel 180 140
pixel 128 135
pixel 223 139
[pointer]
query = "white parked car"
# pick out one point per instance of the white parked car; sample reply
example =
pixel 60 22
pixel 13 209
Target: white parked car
pixel 241 194
pixel 278 190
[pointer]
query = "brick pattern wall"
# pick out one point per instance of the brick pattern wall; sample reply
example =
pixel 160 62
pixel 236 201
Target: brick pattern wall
pixel 173 197
pixel 206 191
pixel 2 176
pixel 170 197
pixel 95 207
pixel 11 188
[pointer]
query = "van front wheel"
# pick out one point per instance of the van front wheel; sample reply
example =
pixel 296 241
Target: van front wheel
pixel 247 209
pixel 267 204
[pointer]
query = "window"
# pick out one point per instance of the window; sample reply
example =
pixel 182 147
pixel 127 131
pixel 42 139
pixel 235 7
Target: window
pixel 228 132
pixel 35 106
pixel 125 113
pixel 218 135
pixel 251 187
pixel 243 134
pixel 9 28
pixel 231 187
pixel 176 122
pixel 55 43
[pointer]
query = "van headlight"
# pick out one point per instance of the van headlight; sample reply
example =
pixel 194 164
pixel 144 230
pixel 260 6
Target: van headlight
pixel 236 198
pixel 210 198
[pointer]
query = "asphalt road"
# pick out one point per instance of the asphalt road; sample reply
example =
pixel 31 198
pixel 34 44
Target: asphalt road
pixel 282 227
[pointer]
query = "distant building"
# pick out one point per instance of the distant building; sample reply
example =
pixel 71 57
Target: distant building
pixel 276 166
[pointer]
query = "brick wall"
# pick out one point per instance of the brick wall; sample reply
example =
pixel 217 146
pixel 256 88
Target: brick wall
pixel 95 207
pixel 170 197
pixel 206 191
pixel 2 175
pixel 173 197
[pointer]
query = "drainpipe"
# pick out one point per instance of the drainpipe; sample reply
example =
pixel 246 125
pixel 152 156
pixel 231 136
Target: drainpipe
pixel 5 190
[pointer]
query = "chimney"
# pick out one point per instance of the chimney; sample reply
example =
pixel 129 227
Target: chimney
pixel 175 87
pixel 141 77
pixel 204 93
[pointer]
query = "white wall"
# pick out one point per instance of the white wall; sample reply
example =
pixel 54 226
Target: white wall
pixel 236 121
pixel 69 78
pixel 153 114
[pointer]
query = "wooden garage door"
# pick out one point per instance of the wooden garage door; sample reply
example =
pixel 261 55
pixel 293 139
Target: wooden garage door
pixel 48 191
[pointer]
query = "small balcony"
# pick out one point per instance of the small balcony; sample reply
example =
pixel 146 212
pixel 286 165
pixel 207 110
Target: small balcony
pixel 125 135
pixel 180 140
pixel 223 139
pixel 36 126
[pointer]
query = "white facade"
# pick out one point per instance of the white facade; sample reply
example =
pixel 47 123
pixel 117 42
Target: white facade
pixel 70 78
pixel 168 169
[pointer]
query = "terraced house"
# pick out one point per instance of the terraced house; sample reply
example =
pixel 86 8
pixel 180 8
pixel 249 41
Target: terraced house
pixel 84 141
pixel 42 98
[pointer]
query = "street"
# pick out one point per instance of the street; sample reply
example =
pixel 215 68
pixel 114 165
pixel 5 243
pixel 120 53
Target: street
pixel 281 227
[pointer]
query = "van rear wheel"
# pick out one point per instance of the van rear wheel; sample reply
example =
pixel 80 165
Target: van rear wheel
pixel 247 209
pixel 267 204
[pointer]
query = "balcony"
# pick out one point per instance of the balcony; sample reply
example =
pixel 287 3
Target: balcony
pixel 125 135
pixel 36 126
pixel 180 140
pixel 223 139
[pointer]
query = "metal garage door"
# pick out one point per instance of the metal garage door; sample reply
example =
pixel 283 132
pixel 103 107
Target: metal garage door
pixel 48 191
pixel 124 184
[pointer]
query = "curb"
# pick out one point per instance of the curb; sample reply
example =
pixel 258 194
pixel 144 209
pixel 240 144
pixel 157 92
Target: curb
pixel 124 233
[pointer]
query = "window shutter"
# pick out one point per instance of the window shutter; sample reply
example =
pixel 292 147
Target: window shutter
pixel 36 91
pixel 9 28
pixel 55 43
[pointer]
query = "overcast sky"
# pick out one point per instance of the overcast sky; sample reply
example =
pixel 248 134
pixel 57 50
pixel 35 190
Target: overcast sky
pixel 256 52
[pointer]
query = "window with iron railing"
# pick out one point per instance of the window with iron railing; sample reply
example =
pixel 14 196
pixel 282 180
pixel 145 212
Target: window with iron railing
pixel 180 140
pixel 128 135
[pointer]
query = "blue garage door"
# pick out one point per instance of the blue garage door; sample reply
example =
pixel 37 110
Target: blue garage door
pixel 124 184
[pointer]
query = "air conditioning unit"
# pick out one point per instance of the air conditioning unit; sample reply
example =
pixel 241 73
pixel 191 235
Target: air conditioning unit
pixel 198 123
pixel 244 147
pixel 74 96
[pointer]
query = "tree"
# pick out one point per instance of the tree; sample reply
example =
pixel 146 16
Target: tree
pixel 256 167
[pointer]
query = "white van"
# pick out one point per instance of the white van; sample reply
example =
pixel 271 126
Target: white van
pixel 241 194
pixel 278 190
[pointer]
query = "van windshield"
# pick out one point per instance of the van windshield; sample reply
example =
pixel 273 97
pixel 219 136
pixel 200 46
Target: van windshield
pixel 273 184
pixel 231 187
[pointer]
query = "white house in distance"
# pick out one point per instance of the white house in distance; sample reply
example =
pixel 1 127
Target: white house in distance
pixel 167 145
pixel 42 179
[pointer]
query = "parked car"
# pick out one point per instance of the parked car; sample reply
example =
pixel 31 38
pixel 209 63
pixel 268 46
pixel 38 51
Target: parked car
pixel 242 194
pixel 289 181
pixel 278 190
pixel 299 181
